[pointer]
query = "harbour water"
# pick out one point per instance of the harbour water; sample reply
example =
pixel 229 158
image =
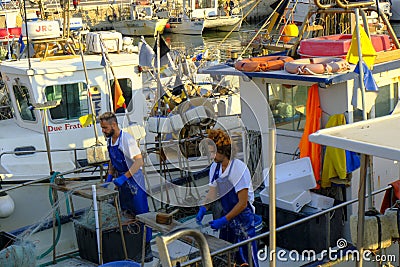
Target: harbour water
pixel 217 43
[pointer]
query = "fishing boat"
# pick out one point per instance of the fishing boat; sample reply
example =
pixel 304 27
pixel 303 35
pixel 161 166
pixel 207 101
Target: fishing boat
pixel 339 92
pixel 267 103
pixel 185 25
pixel 47 96
pixel 142 21
pixel 213 19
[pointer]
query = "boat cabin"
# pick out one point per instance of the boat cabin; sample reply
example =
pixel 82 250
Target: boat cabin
pixel 62 80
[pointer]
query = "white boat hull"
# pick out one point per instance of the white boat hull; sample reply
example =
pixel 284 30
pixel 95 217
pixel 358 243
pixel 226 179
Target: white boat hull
pixel 190 27
pixel 223 23
pixel 140 27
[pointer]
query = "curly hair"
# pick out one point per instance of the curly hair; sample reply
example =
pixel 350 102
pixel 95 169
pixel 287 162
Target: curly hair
pixel 222 141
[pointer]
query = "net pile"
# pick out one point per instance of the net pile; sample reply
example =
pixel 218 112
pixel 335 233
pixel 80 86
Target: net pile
pixel 108 217
pixel 21 254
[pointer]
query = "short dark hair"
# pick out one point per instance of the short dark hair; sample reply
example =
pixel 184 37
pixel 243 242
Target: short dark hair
pixel 108 117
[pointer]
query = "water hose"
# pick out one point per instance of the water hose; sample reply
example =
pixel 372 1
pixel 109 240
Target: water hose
pixel 57 214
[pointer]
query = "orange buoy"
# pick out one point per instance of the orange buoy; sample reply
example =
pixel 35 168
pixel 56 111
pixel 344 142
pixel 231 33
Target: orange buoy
pixel 265 63
pixel 288 32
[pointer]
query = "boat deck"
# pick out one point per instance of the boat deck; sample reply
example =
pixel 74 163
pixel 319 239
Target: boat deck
pixel 280 75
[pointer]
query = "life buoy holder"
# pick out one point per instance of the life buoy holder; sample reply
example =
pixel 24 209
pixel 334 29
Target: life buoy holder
pixel 315 66
pixel 265 63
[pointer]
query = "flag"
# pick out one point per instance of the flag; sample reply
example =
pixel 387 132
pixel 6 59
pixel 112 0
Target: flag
pixel 369 82
pixel 164 49
pixel 119 100
pixel 22 44
pixel 103 59
pixel 367 49
pixel 146 54
pixel 86 120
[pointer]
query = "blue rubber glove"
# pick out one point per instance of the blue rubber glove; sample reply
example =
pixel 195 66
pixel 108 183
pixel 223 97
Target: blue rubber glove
pixel 120 180
pixel 218 223
pixel 200 214
pixel 108 180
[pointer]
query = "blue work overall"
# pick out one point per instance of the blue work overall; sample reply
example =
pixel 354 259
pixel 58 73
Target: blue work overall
pixel 132 194
pixel 242 226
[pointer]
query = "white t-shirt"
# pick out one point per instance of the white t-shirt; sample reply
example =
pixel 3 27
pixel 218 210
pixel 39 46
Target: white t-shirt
pixel 239 177
pixel 128 146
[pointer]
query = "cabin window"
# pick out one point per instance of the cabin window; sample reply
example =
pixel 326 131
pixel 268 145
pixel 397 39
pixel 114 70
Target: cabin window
pixel 288 104
pixel 385 102
pixel 74 100
pixel 23 101
pixel 126 87
pixel 205 4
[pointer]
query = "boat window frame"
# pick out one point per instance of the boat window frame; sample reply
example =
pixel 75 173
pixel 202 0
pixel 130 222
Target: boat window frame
pixel 83 91
pixel 28 96
pixel 282 98
pixel 127 95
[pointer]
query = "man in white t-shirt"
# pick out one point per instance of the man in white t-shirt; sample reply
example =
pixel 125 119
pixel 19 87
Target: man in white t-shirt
pixel 125 171
pixel 230 183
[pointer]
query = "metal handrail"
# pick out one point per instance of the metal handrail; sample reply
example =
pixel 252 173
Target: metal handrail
pixel 45 151
pixel 163 241
pixel 287 226
pixel 44 179
pixel 341 4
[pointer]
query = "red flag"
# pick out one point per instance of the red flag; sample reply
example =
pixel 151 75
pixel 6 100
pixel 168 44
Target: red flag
pixel 119 100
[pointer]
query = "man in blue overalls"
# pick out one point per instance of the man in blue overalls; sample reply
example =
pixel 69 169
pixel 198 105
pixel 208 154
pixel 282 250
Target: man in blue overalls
pixel 230 182
pixel 125 171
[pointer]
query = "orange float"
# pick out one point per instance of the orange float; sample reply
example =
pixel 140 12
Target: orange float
pixel 266 63
pixel 320 65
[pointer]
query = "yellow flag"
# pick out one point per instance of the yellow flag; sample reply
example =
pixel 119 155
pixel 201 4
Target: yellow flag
pixel 367 49
pixel 86 120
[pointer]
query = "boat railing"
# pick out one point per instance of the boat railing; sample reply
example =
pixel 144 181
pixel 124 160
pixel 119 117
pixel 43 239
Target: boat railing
pixel 27 151
pixel 163 241
pixel 340 10
pixel 248 241
pixel 339 3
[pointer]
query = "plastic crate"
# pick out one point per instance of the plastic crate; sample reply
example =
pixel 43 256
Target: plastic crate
pixel 112 245
pixel 310 235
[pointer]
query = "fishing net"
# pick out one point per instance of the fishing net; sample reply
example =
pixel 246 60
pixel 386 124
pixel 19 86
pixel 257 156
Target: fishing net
pixel 21 254
pixel 108 217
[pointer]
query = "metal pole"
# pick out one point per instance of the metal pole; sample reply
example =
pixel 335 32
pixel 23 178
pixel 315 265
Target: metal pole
pixel 272 201
pixel 360 65
pixel 89 94
pixel 46 138
pixel 158 95
pixel 27 37
pixel 361 208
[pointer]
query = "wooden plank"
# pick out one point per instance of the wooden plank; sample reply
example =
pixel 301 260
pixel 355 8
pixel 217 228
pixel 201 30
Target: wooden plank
pixel 84 189
pixel 385 56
